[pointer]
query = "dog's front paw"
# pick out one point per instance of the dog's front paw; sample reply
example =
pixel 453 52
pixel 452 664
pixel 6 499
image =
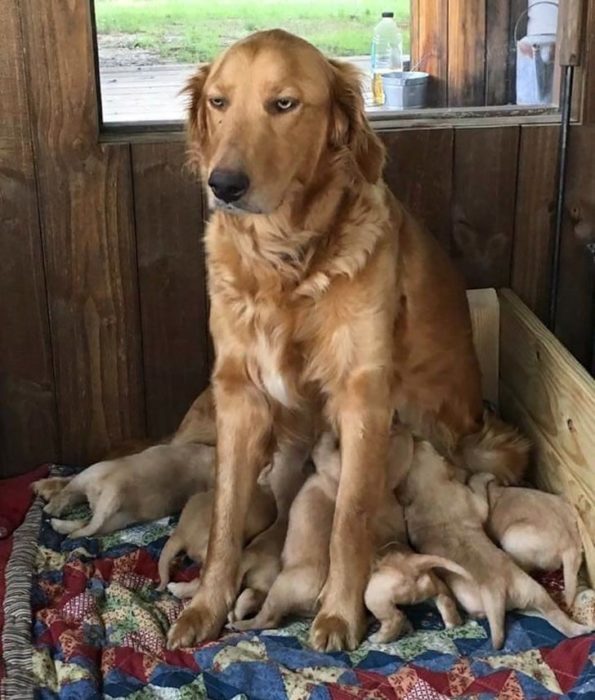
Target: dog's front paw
pixel 195 625
pixel 336 633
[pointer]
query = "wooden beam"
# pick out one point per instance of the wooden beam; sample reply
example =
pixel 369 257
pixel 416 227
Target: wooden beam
pixel 88 236
pixel 169 230
pixel 429 46
pixel 466 52
pixel 498 52
pixel 28 420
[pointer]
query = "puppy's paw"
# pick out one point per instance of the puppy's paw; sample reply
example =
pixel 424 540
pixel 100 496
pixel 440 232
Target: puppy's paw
pixel 335 633
pixel 183 589
pixel 195 625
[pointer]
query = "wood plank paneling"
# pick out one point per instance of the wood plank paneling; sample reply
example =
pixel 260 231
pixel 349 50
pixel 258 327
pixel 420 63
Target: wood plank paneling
pixel 419 172
pixel 466 52
pixel 534 221
pixel 575 312
pixel 169 229
pixel 28 421
pixel 485 171
pixel 88 236
pixel 498 48
pixel 429 46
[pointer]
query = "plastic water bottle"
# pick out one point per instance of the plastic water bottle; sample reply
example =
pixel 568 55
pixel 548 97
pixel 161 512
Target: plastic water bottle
pixel 387 53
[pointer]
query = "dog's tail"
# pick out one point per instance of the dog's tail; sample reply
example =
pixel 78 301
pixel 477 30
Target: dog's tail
pixel 171 549
pixel 494 606
pixel 497 448
pixel 431 561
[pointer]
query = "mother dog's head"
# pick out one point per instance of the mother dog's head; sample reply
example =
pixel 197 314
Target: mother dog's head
pixel 270 116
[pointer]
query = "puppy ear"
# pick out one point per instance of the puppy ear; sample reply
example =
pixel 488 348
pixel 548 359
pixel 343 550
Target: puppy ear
pixel 349 128
pixel 196 124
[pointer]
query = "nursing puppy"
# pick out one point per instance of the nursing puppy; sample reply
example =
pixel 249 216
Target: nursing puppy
pixel 445 518
pixel 145 486
pixel 306 552
pixel 403 577
pixel 538 530
pixel 192 531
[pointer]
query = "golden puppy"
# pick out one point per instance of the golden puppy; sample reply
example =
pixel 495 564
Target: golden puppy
pixel 403 577
pixel 445 518
pixel 140 487
pixel 327 299
pixel 192 531
pixel 537 529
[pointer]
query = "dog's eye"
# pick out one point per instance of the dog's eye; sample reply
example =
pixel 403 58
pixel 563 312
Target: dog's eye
pixel 285 104
pixel 217 102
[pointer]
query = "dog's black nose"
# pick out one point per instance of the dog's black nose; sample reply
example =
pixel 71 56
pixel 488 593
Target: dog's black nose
pixel 229 185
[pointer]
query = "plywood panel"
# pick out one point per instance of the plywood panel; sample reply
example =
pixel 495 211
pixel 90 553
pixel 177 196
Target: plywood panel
pixel 28 421
pixel 169 228
pixel 552 398
pixel 485 171
pixel 534 218
pixel 466 52
pixel 419 172
pixel 88 235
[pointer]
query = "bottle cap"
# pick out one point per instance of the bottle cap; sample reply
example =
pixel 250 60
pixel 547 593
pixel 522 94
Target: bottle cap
pixel 388 14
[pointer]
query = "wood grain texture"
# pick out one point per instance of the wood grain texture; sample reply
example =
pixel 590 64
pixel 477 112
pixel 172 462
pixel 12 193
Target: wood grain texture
pixel 419 173
pixel 466 52
pixel 429 46
pixel 169 229
pixel 498 52
pixel 534 217
pixel 88 235
pixel 485 170
pixel 552 398
pixel 28 420
pixel 574 317
pixel 587 70
pixel 484 308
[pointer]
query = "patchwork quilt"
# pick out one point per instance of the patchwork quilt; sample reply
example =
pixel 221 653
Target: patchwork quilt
pixel 96 628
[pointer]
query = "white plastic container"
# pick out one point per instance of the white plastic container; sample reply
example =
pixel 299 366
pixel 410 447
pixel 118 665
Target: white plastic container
pixel 387 53
pixel 536 54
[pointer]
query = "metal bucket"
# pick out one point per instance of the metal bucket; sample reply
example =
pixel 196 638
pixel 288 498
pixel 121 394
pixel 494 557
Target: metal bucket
pixel 405 89
pixel 535 64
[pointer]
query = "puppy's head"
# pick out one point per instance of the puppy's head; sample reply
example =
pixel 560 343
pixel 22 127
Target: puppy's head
pixel 269 116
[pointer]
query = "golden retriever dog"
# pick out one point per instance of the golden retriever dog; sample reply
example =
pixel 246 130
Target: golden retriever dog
pixel 328 300
pixel 140 487
pixel 191 534
pixel 445 518
pixel 403 577
pixel 538 530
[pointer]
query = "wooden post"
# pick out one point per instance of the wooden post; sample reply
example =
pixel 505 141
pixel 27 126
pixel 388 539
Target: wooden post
pixel 429 46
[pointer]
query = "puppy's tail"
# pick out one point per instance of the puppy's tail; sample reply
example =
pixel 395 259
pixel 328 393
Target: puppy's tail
pixel 497 448
pixel 430 561
pixel 171 549
pixel 494 606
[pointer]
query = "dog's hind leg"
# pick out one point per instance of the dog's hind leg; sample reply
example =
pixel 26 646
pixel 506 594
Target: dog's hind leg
pixel 106 516
pixel 446 605
pixel 571 562
pixel 379 598
pixel 528 594
pixel 494 605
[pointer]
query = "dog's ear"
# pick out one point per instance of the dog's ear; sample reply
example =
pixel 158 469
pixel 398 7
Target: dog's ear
pixel 196 124
pixel 349 128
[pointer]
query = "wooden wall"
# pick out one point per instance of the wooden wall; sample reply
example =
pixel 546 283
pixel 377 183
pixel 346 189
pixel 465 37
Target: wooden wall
pixel 102 283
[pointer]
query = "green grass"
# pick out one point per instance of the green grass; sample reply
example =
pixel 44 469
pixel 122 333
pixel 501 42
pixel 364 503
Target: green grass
pixel 196 30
